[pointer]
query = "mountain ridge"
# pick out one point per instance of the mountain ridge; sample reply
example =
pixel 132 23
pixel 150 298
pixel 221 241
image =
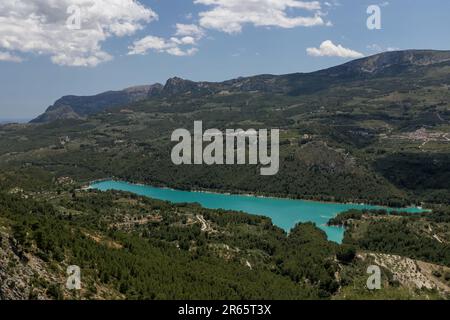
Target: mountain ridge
pixel 78 107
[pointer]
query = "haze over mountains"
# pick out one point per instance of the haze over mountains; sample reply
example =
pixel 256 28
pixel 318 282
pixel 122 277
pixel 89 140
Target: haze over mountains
pixel 410 63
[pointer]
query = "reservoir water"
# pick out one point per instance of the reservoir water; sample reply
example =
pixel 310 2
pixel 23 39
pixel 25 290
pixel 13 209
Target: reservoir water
pixel 285 213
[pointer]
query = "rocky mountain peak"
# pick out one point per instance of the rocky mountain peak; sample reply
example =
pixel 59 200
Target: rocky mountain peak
pixel 178 85
pixel 382 61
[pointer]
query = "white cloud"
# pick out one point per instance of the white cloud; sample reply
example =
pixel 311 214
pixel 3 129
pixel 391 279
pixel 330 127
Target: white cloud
pixel 332 3
pixel 6 56
pixel 188 40
pixel 150 42
pixel 329 49
pixel 39 27
pixel 377 48
pixel 183 43
pixel 171 46
pixel 231 15
pixel 189 30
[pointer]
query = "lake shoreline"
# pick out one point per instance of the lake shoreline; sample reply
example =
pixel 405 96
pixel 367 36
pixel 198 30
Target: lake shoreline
pixel 284 212
pixel 247 194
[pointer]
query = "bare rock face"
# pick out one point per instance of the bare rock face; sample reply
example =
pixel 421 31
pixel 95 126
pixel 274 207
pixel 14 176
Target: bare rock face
pixel 77 107
pixel 176 86
pixel 17 273
pixel 383 61
pixel 64 112
pixel 142 92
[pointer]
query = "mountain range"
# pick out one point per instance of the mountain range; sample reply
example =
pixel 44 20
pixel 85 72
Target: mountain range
pixel 377 66
pixel 374 130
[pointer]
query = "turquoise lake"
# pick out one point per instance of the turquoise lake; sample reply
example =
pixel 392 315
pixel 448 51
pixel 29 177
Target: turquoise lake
pixel 285 213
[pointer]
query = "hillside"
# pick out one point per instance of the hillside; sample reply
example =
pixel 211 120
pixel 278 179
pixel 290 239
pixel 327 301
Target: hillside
pixel 378 66
pixel 75 107
pixel 349 133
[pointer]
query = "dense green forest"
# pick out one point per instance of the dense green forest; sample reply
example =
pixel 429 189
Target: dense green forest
pixel 138 248
pixel 144 268
pixel 169 260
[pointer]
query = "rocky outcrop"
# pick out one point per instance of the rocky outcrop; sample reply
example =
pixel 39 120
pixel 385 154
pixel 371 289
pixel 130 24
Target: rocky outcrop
pixel 17 272
pixel 78 107
pixel 381 62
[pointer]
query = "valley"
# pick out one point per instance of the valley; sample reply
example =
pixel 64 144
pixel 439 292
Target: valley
pixel 284 213
pixel 374 130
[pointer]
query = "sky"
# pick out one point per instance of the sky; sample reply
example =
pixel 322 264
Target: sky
pixel 52 48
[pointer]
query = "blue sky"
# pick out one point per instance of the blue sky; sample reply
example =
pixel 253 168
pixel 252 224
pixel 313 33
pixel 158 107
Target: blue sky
pixel 132 43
